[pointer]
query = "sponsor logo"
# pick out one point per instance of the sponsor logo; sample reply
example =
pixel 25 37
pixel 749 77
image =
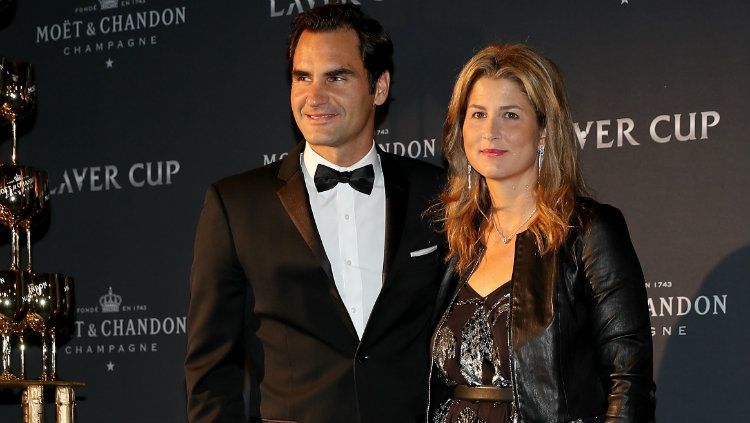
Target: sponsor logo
pixel 110 302
pixel 663 129
pixel 292 7
pixel 667 311
pixel 118 25
pixel 18 186
pixel 109 177
pixel 416 148
pixel 114 327
pixel 108 4
pixel 272 157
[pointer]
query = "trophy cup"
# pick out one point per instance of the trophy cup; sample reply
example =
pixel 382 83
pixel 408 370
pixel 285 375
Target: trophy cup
pixel 44 306
pixel 40 196
pixel 62 320
pixel 13 285
pixel 22 195
pixel 17 95
pixel 51 308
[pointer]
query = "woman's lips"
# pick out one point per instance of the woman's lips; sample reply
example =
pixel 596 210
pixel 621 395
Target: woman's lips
pixel 493 152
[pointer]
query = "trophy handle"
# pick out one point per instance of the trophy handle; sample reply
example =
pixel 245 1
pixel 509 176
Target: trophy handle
pixel 15 247
pixel 28 248
pixel 6 357
pixel 22 351
pixel 15 136
pixel 45 358
pixel 53 354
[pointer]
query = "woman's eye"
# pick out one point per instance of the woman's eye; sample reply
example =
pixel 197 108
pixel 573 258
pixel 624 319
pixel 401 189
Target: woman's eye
pixel 478 115
pixel 511 115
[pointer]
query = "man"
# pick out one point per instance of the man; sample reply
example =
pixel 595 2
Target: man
pixel 316 276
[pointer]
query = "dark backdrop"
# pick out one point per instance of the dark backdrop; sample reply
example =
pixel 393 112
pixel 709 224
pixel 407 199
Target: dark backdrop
pixel 137 117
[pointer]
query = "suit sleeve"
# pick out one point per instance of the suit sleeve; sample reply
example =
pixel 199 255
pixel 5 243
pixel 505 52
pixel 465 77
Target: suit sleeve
pixel 214 363
pixel 620 318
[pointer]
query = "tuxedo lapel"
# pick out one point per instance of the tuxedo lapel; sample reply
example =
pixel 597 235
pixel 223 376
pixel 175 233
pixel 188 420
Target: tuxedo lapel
pixel 293 196
pixel 396 200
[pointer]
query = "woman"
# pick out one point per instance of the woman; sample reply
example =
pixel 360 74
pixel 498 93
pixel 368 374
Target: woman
pixel 548 321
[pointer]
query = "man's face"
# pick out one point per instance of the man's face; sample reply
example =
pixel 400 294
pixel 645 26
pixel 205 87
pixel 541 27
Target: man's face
pixel 330 95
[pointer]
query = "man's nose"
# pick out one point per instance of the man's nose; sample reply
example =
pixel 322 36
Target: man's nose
pixel 317 94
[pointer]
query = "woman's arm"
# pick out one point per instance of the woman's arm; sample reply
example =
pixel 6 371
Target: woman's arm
pixel 620 318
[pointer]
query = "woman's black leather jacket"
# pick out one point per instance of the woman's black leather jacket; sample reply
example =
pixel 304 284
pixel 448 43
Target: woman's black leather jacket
pixel 579 327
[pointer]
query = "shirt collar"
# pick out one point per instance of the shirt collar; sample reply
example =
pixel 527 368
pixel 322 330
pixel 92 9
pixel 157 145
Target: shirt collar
pixel 311 160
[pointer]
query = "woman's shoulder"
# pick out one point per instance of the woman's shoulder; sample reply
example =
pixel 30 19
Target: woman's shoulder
pixel 599 222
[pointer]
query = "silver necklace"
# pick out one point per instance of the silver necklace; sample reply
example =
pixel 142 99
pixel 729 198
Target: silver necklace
pixel 506 239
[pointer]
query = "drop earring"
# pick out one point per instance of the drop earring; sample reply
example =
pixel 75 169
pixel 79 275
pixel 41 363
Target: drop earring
pixel 540 158
pixel 468 174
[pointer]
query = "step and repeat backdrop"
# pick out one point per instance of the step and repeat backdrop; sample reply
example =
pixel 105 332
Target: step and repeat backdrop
pixel 143 103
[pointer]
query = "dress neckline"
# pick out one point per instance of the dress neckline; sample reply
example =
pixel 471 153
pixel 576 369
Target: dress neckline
pixel 489 294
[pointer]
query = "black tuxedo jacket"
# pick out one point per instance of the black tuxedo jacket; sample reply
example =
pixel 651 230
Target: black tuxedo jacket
pixel 266 319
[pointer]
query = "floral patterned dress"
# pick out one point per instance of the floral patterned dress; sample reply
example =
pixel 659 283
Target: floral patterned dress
pixel 471 348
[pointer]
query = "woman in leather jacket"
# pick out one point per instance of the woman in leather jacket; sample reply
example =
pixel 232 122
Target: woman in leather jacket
pixel 546 317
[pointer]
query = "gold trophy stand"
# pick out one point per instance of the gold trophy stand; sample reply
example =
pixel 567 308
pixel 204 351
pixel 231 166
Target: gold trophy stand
pixel 32 398
pixel 23 195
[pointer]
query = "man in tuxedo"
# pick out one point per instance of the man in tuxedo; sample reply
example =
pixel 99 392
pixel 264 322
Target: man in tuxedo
pixel 314 278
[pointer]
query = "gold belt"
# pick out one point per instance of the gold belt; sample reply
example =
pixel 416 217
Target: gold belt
pixel 482 393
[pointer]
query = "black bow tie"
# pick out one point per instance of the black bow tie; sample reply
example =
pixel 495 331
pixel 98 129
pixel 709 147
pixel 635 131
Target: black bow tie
pixel 360 179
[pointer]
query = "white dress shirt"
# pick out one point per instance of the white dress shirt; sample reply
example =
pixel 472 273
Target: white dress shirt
pixel 352 227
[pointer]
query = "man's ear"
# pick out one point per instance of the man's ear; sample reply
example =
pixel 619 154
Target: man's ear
pixel 382 87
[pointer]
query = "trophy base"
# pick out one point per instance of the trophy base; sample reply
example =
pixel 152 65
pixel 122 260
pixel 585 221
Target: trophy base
pixel 25 383
pixel 8 377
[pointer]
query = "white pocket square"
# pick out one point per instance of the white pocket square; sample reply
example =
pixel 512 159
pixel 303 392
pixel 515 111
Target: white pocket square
pixel 423 251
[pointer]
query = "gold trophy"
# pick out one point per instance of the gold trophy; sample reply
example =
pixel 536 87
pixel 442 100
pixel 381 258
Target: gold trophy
pixel 37 302
pixel 17 94
pixel 23 190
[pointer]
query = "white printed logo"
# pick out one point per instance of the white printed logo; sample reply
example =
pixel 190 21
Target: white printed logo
pixel 108 4
pixel 110 302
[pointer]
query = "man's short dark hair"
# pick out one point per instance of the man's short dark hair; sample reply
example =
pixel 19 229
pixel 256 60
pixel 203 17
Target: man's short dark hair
pixel 375 45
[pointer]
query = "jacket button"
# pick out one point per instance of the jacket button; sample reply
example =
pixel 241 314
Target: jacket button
pixel 362 358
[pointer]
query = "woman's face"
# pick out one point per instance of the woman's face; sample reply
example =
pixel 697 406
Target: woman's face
pixel 501 133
